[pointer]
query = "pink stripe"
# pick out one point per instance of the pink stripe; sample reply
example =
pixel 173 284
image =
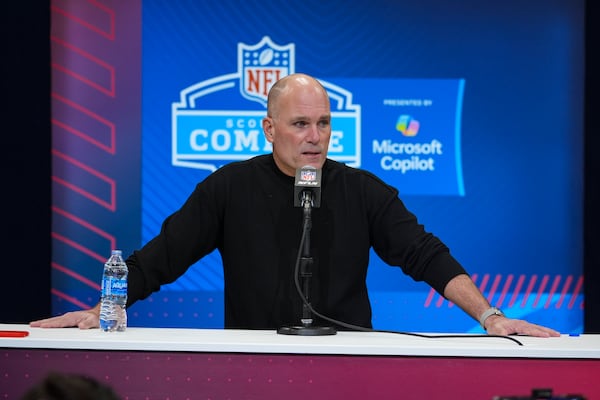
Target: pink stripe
pixel 576 292
pixel 564 291
pixel 484 282
pixel 109 35
pixel 78 246
pixel 75 275
pixel 529 289
pixel 541 290
pixel 494 287
pixel 440 301
pixel 82 135
pixel 555 284
pixel 112 206
pixel 429 297
pixel 83 166
pixel 70 299
pixel 110 12
pixel 110 70
pixel 83 53
pixel 517 290
pixel 509 279
pixel 109 92
pixel 85 224
pixel 84 193
pixel 93 115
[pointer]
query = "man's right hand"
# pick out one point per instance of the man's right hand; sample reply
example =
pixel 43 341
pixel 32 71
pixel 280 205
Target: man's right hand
pixel 84 319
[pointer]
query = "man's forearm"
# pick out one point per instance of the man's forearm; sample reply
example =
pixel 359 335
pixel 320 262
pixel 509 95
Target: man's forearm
pixel 462 291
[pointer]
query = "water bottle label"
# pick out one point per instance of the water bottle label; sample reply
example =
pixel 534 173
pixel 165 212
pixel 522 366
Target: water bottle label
pixel 113 286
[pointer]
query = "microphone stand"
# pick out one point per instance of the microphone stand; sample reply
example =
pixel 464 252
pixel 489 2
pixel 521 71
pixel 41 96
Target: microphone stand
pixel 306 261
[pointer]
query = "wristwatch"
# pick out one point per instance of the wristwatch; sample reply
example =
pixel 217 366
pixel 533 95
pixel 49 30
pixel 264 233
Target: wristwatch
pixel 491 311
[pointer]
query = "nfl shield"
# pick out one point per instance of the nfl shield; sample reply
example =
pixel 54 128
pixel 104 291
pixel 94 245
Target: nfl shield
pixel 261 65
pixel 308 175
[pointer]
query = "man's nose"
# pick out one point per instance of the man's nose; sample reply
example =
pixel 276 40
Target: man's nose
pixel 313 134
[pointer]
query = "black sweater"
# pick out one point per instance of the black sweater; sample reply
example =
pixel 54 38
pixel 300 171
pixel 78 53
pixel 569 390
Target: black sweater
pixel 246 211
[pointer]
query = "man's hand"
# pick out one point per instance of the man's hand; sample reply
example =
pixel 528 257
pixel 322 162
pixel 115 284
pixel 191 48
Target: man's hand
pixel 84 319
pixel 497 325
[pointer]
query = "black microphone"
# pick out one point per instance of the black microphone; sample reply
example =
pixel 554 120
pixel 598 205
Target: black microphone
pixel 308 179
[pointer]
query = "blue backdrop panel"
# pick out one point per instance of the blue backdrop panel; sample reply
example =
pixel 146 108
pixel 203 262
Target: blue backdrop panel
pixel 473 111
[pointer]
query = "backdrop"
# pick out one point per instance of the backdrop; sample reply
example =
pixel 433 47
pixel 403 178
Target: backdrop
pixel 473 111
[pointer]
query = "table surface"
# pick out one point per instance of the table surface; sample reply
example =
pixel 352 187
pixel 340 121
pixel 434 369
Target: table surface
pixel 265 341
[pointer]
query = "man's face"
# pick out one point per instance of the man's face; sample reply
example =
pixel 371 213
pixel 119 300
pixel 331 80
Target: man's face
pixel 299 127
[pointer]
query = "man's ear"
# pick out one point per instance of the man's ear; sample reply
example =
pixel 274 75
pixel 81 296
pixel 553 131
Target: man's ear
pixel 267 124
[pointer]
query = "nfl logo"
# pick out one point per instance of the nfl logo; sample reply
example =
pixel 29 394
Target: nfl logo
pixel 261 65
pixel 308 175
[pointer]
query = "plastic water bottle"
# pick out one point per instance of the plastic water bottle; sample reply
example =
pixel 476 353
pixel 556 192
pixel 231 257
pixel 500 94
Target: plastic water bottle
pixel 113 298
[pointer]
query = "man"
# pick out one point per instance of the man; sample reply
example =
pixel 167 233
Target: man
pixel 246 211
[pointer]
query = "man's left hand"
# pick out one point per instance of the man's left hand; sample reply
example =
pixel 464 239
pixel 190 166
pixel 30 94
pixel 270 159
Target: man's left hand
pixel 498 325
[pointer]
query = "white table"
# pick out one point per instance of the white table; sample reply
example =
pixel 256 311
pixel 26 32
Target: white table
pixel 157 363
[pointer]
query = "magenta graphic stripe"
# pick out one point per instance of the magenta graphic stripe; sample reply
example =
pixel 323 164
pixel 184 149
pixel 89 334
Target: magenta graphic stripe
pixel 576 293
pixel 92 23
pixel 84 67
pixel 104 187
pixel 555 284
pixel 555 288
pixel 70 299
pixel 507 284
pixel 564 291
pixel 75 275
pixel 96 130
pixel 541 290
pixel 77 246
pixel 517 290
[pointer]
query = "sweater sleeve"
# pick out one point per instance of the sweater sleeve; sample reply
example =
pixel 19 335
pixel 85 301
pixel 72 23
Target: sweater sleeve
pixel 440 270
pixel 186 236
pixel 400 240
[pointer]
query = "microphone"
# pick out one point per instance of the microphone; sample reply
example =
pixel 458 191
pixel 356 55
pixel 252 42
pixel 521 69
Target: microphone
pixel 308 179
pixel 307 194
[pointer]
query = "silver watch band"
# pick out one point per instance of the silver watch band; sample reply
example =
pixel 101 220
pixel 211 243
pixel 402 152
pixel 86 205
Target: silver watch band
pixel 490 311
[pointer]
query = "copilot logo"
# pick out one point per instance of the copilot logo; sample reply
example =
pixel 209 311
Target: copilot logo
pixel 407 156
pixel 207 133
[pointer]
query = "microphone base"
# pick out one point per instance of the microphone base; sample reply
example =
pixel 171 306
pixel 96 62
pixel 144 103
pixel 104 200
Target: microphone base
pixel 307 330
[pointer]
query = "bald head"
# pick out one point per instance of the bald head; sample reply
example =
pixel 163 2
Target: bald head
pixel 287 84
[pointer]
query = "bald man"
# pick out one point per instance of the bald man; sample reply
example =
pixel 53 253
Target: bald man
pixel 245 210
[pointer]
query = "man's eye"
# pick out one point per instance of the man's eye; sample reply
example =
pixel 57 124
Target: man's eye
pixel 300 124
